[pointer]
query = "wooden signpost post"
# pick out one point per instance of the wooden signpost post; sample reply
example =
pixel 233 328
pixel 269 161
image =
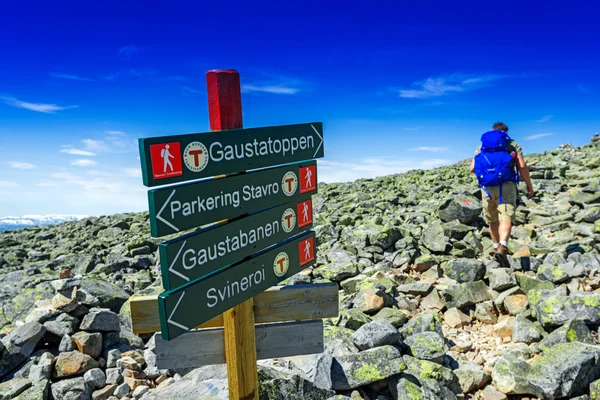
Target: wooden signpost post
pixel 251 199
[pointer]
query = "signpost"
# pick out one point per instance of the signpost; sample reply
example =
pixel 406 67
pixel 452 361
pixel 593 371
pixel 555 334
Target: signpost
pixel 189 305
pixel 251 197
pixel 179 208
pixel 193 256
pixel 171 159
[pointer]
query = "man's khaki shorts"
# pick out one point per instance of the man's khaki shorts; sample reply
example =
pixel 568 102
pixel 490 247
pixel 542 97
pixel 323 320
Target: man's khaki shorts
pixel 493 211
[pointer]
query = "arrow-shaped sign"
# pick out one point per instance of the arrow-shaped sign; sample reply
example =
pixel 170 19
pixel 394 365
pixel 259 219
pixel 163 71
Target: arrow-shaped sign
pixel 177 209
pixel 197 254
pixel 204 299
pixel 171 159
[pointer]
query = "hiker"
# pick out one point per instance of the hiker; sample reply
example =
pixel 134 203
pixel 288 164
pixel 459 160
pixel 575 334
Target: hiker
pixel 494 164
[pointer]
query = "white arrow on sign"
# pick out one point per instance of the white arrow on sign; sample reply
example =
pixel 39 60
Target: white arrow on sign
pixel 171 269
pixel 170 321
pixel 321 137
pixel 163 208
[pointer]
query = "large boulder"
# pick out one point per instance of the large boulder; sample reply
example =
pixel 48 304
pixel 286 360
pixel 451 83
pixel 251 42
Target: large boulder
pixel 434 238
pixel 18 346
pixel 466 209
pixel 553 309
pixel 374 334
pixel 465 270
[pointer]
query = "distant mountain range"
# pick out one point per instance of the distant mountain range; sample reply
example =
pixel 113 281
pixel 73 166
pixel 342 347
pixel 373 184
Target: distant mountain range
pixel 25 221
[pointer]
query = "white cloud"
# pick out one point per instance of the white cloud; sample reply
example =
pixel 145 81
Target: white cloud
pixel 48 184
pixel 115 133
pixel 8 184
pixel 427 148
pixel 126 52
pixel 133 172
pixel 442 85
pixel 545 118
pixel 278 89
pixel 94 145
pixel 538 136
pixel 78 152
pixel 21 165
pixel 70 77
pixel 83 162
pixel 39 107
pixel 334 171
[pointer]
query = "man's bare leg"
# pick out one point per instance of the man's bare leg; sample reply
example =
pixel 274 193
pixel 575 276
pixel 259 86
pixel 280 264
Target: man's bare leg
pixel 503 233
pixel 494 233
pixel 504 230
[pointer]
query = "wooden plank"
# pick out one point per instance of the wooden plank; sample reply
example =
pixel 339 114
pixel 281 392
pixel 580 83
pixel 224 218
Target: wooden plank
pixel 272 340
pixel 277 304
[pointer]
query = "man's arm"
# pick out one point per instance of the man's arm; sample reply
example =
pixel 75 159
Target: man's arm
pixel 472 167
pixel 524 171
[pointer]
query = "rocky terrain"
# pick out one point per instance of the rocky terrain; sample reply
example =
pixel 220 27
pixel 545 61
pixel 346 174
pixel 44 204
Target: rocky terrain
pixel 424 312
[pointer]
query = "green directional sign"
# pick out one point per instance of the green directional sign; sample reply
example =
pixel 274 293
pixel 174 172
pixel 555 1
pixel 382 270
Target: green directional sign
pixel 193 256
pixel 186 307
pixel 171 159
pixel 178 208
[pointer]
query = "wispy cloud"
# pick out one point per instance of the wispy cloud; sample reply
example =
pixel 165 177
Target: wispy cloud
pixel 77 152
pixel 132 172
pixel 584 88
pixel 427 148
pixel 411 129
pixel 545 118
pixel 280 89
pixel 538 136
pixel 39 107
pixel 126 52
pixel 84 162
pixel 94 145
pixel 69 76
pixel 443 85
pixel 110 77
pixel 115 133
pixel 48 184
pixel 189 90
pixel 334 171
pixel 21 165
pixel 8 184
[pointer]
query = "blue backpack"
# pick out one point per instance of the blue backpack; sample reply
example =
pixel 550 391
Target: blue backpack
pixel 494 165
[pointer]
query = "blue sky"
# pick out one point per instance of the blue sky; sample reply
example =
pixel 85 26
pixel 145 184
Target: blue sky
pixel 397 86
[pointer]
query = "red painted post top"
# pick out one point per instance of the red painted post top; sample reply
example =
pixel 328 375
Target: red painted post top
pixel 224 99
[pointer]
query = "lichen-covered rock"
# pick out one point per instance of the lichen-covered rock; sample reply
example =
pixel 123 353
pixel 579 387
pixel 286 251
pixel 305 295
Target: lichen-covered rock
pixel 38 391
pixel 423 371
pixel 574 330
pixel 14 387
pixel 510 374
pixel 466 209
pixel 553 309
pixel 560 273
pixel 352 319
pixel 424 322
pixel 337 272
pixel 465 270
pixel 394 316
pixel 71 389
pixel 434 238
pixel 426 346
pixel 466 294
pixel 18 345
pixel 526 331
pixel 527 283
pixel 354 370
pixel 375 334
pixel 100 320
pixel 315 368
pixel 501 279
pixel 566 370
pixel 338 340
pixel 471 376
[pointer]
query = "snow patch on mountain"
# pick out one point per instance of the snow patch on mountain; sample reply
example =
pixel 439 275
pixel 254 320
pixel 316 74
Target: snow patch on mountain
pixel 13 222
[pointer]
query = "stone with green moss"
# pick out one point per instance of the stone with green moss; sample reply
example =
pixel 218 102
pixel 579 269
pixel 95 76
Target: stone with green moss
pixel 595 390
pixel 464 270
pixel 38 391
pixel 426 346
pixel 557 309
pixel 394 316
pixel 386 284
pixel 338 340
pixel 352 319
pixel 423 370
pixel 354 370
pixel 560 273
pixel 424 322
pixel 565 370
pixel 510 374
pixel 337 272
pixel 466 294
pixel 527 283
pixel 574 330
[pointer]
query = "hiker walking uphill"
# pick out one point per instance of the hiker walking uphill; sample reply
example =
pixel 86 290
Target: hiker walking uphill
pixel 498 164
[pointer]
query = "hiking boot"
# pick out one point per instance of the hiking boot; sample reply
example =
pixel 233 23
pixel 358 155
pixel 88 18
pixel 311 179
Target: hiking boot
pixel 501 258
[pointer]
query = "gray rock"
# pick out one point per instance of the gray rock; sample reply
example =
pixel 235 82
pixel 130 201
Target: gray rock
pixel 113 376
pixel 415 288
pixel 510 375
pixel 465 270
pixel 434 238
pixel 424 322
pixel 354 370
pixel 426 346
pixel 375 334
pixel 566 370
pixel 66 344
pixel 43 369
pixel 424 370
pixel 109 295
pixel 486 312
pixel 71 389
pixel 337 272
pixel 13 388
pixel 100 320
pixel 113 356
pixel 63 324
pixel 466 294
pixel 403 387
pixel 352 319
pixel 338 341
pixel 122 390
pixel 525 331
pixel 68 283
pixel 560 273
pixel 19 344
pixel 140 391
pixel 471 376
pixel 573 331
pixel 553 309
pixel 501 279
pixel 95 378
pixel 466 209
pixel 39 391
pixel 315 368
pixel 394 316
